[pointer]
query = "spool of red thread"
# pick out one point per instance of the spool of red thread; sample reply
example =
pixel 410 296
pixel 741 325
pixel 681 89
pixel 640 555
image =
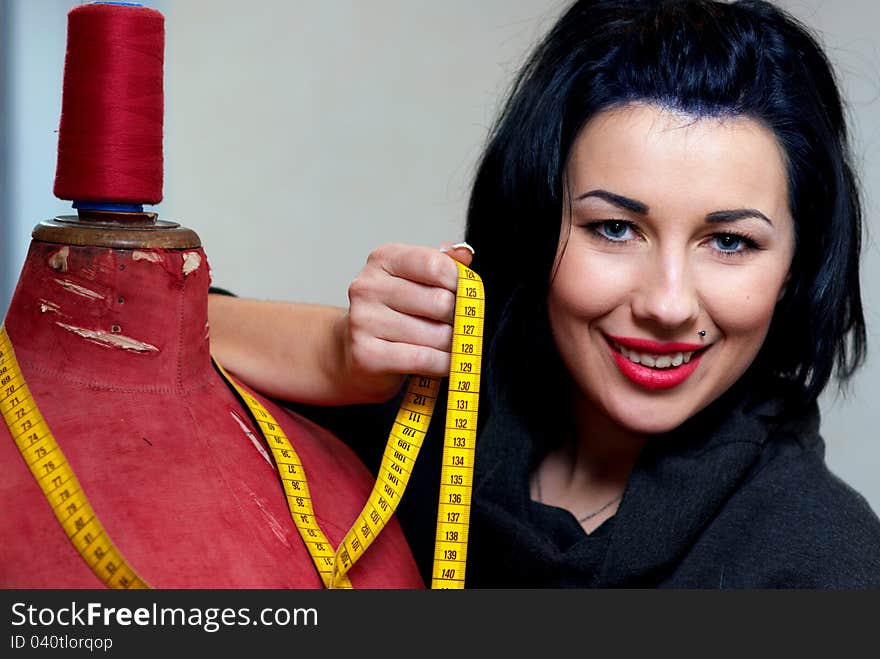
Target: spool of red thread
pixel 110 135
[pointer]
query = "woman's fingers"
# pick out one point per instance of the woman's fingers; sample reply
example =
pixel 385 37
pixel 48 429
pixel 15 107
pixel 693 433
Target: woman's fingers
pixel 423 265
pixel 375 288
pixel 414 280
pixel 459 251
pixel 377 357
pixel 401 309
pixel 393 326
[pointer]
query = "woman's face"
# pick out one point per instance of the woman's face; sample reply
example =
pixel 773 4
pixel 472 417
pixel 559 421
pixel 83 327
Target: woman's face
pixel 676 244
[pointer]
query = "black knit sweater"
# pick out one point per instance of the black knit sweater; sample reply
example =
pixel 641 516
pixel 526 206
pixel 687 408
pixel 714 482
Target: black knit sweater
pixel 732 499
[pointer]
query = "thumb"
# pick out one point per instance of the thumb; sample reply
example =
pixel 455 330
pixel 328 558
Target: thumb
pixel 461 252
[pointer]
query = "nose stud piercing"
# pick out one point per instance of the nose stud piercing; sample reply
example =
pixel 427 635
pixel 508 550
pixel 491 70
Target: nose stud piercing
pixel 702 333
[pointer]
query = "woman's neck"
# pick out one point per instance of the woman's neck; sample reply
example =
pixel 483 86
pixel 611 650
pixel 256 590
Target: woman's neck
pixel 589 471
pixel 600 449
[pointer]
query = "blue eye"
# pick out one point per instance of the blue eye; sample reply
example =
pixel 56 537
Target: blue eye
pixel 614 230
pixel 733 244
pixel 728 242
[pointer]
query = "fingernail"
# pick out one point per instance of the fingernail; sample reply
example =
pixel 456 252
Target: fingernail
pixel 457 245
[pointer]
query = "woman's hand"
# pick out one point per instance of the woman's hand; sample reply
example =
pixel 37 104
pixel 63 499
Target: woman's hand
pixel 399 322
pixel 400 317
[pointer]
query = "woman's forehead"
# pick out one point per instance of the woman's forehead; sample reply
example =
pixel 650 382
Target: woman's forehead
pixel 648 152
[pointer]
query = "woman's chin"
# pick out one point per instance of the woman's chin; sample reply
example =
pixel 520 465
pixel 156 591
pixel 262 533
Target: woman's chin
pixel 646 421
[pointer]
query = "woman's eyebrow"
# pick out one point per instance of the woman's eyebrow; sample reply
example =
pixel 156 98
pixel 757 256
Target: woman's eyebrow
pixel 641 208
pixel 626 203
pixel 736 214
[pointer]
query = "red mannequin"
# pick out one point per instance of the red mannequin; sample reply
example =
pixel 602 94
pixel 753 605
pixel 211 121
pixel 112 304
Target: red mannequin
pixel 114 345
pixel 109 326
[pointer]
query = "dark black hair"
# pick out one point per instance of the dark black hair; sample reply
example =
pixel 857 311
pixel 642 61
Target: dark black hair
pixel 705 58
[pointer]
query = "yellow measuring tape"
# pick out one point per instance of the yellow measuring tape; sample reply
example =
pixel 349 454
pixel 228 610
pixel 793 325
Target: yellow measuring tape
pixel 293 478
pixel 55 476
pixel 459 444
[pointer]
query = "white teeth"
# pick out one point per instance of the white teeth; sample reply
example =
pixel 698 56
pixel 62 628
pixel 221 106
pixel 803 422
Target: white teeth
pixel 656 361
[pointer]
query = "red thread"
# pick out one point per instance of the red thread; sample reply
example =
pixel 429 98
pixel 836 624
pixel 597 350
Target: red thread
pixel 110 135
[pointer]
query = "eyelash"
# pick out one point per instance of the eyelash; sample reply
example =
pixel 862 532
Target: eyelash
pixel 749 244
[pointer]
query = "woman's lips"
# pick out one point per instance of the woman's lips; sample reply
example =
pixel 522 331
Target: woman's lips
pixel 651 377
pixel 649 345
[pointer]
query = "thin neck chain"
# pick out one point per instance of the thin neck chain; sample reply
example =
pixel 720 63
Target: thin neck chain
pixel 579 519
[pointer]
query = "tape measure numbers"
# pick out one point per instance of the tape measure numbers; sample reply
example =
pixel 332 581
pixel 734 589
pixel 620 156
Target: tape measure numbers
pixel 459 442
pixel 55 476
pixel 460 434
pixel 293 479
pixel 59 485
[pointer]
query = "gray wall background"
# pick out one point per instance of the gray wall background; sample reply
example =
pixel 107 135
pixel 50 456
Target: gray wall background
pixel 300 135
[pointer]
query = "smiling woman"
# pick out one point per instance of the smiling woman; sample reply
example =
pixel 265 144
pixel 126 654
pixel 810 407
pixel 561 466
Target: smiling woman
pixel 668 228
pixel 670 236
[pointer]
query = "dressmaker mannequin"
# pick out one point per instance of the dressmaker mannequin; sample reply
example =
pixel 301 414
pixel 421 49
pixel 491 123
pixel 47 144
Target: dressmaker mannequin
pixel 109 326
pixel 114 345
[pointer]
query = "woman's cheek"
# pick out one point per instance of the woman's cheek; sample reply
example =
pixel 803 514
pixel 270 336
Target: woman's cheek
pixel 595 283
pixel 741 302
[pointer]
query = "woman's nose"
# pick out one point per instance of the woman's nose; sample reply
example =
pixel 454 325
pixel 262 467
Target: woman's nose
pixel 666 294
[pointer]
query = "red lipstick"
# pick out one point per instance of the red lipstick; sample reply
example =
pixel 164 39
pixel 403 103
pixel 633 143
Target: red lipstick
pixel 655 347
pixel 655 378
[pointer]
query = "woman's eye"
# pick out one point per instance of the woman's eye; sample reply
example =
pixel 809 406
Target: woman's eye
pixel 731 243
pixel 614 230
